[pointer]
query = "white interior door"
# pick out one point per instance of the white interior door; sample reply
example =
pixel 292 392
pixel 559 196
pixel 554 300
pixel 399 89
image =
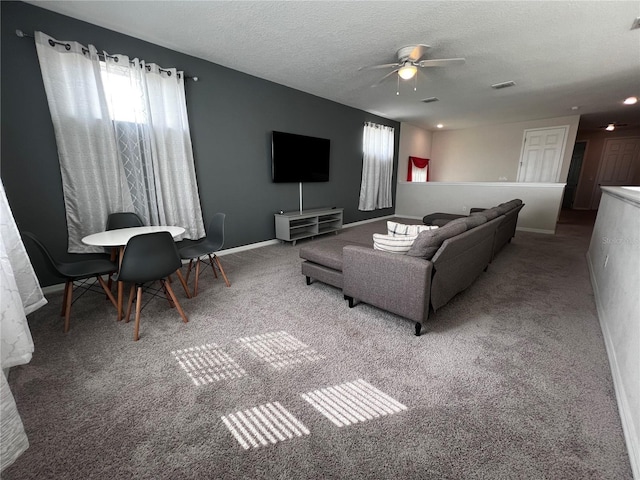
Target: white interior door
pixel 620 158
pixel 542 153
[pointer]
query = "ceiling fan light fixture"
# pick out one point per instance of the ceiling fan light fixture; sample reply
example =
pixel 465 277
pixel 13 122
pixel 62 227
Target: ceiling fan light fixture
pixel 407 71
pixel 610 128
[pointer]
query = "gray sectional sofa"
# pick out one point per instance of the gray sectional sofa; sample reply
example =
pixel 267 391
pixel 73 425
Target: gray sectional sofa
pixel 440 263
pixel 506 230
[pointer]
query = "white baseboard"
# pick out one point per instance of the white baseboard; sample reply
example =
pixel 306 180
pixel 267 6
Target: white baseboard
pixel 630 434
pixel 362 222
pixel 535 230
pixel 58 287
pixel 250 246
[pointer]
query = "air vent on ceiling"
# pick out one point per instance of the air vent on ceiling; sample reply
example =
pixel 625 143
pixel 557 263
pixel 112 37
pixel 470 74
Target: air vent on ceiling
pixel 503 85
pixel 430 99
pixel 635 24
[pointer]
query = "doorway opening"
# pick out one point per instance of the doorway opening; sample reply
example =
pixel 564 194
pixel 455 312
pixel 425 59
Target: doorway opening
pixel 573 177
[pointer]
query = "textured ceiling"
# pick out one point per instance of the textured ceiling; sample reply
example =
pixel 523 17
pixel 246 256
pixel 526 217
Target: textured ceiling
pixel 561 54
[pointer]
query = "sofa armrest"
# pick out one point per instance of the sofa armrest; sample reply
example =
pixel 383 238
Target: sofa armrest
pixel 397 283
pixel 440 219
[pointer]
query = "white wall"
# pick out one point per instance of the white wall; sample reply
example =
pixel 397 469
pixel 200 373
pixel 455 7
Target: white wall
pixel 477 167
pixel 540 213
pixel 414 142
pixel 490 153
pixel 614 264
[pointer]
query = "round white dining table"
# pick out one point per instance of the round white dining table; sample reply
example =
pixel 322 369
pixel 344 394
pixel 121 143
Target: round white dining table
pixel 119 237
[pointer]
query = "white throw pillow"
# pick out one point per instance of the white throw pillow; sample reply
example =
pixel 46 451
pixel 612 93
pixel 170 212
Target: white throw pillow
pixel 393 243
pixel 394 228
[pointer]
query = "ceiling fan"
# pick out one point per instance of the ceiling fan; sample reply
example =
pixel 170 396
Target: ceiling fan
pixel 410 58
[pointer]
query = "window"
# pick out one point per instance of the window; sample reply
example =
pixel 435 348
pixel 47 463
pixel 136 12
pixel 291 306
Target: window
pixel 377 167
pixel 123 139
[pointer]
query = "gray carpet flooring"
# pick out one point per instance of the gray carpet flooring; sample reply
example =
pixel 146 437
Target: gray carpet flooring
pixel 274 379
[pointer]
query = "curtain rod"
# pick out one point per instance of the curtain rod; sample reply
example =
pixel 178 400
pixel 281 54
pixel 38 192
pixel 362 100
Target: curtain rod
pixel 21 34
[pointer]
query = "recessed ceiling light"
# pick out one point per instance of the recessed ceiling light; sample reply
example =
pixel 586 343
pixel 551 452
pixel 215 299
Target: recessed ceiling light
pixel 610 128
pixel 439 125
pixel 631 101
pixel 575 108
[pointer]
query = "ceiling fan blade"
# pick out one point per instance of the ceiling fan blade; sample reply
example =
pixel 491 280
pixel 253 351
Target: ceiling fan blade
pixel 417 52
pixel 385 77
pixel 441 62
pixel 375 67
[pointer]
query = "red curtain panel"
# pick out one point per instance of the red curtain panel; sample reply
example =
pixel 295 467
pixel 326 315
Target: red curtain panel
pixel 418 163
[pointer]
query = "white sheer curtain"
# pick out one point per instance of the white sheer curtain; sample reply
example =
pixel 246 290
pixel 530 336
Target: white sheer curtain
pixel 418 174
pixel 377 167
pixel 123 139
pixel 20 294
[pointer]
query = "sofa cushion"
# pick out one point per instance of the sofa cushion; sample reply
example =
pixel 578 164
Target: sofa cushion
pixel 395 228
pixel 439 218
pixel 325 252
pixel 393 243
pixel 489 213
pixel 428 243
pixel 474 221
pixel 440 222
pixel 362 234
pixel 503 208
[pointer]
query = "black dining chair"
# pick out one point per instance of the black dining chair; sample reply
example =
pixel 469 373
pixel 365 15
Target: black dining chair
pixel 118 220
pixel 207 246
pixel 123 220
pixel 148 258
pixel 76 273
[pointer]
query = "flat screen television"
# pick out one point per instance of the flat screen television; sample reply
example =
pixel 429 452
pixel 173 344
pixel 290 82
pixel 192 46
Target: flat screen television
pixel 299 158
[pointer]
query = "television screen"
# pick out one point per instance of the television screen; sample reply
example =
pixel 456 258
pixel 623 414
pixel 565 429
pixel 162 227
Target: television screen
pixel 298 158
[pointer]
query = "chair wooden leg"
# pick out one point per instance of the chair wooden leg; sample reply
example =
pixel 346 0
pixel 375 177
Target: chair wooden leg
pixel 176 303
pixel 195 288
pixel 184 283
pixel 136 328
pixel 129 303
pixel 189 270
pixel 112 257
pixel 164 289
pixel 64 299
pixel 221 270
pixel 213 267
pixel 67 308
pixel 107 290
pixel 120 293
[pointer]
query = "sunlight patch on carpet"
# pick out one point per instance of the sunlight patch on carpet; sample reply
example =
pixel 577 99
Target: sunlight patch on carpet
pixel 279 349
pixel 352 402
pixel 207 364
pixel 264 425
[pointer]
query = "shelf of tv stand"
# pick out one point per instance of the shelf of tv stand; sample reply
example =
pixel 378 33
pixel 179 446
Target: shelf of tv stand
pixel 293 226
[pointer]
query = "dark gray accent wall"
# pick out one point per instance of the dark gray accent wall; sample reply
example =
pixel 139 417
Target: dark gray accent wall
pixel 231 117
